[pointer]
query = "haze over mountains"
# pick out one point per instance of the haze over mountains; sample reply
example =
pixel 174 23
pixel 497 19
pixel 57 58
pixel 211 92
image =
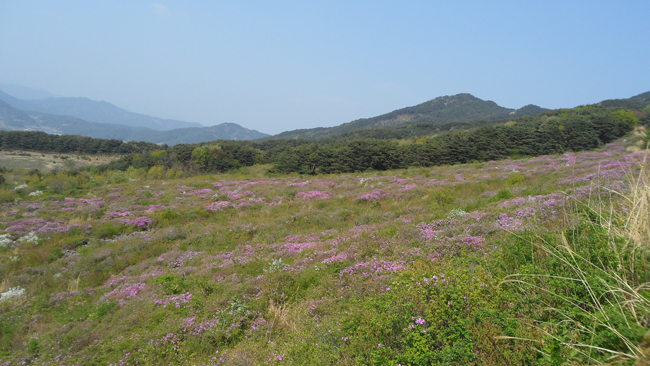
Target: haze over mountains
pixel 82 116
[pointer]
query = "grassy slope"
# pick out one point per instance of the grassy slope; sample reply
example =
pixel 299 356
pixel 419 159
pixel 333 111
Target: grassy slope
pixel 302 271
pixel 48 161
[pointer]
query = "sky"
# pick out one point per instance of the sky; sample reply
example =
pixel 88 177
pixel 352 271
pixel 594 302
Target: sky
pixel 282 65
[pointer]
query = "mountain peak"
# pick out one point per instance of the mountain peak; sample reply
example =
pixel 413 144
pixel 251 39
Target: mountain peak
pixel 462 107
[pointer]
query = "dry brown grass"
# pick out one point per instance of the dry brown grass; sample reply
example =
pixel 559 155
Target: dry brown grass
pixel 4 285
pixel 76 221
pixel 283 316
pixel 73 284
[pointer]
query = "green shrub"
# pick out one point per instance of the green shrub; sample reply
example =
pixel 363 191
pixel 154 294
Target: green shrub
pixel 503 194
pixel 516 179
pixel 34 346
pixel 105 308
pixel 172 284
pixel 108 230
pixel 118 177
pixel 6 195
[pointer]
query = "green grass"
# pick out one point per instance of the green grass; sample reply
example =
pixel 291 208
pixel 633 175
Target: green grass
pixel 331 281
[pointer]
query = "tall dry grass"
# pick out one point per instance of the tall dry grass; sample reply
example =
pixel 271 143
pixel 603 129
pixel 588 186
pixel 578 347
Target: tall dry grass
pixel 623 307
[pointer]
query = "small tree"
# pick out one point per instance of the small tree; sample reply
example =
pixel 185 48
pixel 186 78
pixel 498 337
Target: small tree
pixel 200 157
pixel 626 117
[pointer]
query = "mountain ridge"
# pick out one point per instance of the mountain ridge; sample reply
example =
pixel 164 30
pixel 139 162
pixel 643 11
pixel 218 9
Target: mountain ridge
pixel 460 107
pixel 95 111
pixel 14 119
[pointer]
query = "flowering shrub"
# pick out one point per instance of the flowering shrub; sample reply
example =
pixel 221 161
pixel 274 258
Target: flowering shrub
pixel 312 195
pixel 276 265
pixel 29 238
pixel 337 258
pixel 112 215
pixel 510 223
pixel 375 195
pixel 19 187
pixel 456 213
pixel 6 241
pixel 408 187
pixel 153 208
pixel 219 205
pixel 12 293
pixel 127 291
pixel 176 299
pixel 141 222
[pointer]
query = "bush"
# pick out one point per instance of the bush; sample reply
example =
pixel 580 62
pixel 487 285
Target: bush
pixel 6 195
pixel 156 172
pixel 108 230
pixel 118 177
pixel 516 179
pixel 503 194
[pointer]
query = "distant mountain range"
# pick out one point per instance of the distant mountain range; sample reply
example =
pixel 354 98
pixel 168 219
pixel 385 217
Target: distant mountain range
pixel 25 92
pixel 94 111
pixel 455 108
pixel 82 116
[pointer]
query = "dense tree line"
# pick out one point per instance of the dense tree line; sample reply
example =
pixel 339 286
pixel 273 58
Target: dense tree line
pixel 43 142
pixel 549 133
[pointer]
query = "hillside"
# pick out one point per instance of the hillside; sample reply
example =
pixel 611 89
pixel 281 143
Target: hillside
pixel 192 135
pixel 452 265
pixel 640 101
pixel 14 119
pixel 456 108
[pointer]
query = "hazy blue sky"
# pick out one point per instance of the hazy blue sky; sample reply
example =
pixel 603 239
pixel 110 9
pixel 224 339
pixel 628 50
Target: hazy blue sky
pixel 281 65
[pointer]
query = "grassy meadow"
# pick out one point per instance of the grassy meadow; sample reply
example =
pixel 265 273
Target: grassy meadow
pixel 534 261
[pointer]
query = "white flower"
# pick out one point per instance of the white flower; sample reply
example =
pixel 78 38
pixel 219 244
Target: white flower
pixel 456 213
pixel 276 265
pixel 5 241
pixel 36 193
pixel 20 187
pixel 12 293
pixel 29 238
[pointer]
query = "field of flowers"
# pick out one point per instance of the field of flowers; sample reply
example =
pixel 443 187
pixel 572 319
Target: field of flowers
pixel 400 267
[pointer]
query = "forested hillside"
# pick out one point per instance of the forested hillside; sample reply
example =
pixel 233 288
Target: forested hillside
pixel 455 108
pixel 42 142
pixel 558 131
